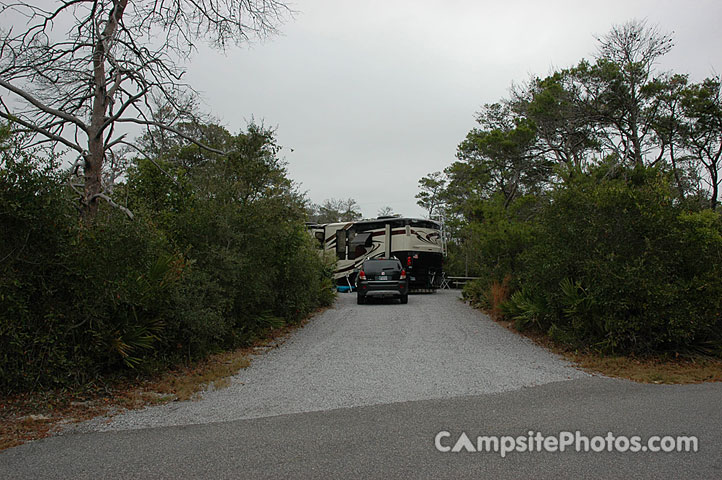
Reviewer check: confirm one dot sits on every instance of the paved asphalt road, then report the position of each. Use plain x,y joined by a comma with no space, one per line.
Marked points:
362,391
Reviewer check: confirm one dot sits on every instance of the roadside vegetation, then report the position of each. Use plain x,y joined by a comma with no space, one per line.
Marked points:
216,255
587,205
122,256
27,416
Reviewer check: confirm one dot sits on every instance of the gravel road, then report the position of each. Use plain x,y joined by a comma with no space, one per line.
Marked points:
435,347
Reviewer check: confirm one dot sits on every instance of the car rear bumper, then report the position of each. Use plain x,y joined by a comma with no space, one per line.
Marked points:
383,289
382,293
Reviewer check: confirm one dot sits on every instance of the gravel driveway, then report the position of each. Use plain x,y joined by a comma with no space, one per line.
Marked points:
434,347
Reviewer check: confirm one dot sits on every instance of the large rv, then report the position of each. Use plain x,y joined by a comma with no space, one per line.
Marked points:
417,243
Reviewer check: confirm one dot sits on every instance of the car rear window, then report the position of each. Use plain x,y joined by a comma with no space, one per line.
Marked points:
377,266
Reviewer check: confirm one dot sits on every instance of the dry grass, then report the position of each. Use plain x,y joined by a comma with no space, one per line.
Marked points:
498,294
31,416
35,415
661,370
183,384
654,369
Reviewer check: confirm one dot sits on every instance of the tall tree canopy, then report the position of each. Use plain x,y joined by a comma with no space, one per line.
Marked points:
702,134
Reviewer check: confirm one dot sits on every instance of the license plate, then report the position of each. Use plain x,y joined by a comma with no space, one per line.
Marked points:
383,277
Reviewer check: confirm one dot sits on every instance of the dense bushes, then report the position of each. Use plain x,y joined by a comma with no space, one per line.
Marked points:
497,240
580,202
215,255
617,265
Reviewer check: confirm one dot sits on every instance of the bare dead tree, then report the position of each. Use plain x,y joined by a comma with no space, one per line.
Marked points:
633,49
79,72
386,211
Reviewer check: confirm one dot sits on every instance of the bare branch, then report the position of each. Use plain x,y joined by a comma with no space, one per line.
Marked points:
113,204
173,130
49,110
115,56
152,160
42,131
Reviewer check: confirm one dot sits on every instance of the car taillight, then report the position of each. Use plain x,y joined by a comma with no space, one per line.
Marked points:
403,274
362,275
408,261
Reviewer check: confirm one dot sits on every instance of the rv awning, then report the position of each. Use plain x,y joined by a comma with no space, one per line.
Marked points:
360,239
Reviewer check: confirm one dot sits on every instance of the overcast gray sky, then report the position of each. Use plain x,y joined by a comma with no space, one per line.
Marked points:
373,95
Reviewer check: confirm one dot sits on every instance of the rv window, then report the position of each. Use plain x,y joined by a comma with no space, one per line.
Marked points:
360,239
341,244
425,224
357,245
319,237
365,227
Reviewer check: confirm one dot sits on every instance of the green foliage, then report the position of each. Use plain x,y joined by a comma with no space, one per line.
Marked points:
702,132
623,269
527,309
432,187
36,232
611,261
476,293
493,244
217,255
565,132
496,160
587,190
241,226
335,210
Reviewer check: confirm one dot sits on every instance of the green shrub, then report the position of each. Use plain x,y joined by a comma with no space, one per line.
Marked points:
476,292
213,259
527,309
493,246
623,269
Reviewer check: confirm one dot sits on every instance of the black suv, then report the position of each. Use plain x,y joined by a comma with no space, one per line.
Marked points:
382,277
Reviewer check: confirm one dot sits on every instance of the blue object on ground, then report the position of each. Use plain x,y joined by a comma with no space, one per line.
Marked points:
343,288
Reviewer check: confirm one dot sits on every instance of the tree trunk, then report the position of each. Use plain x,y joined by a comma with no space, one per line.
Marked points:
95,156
675,170
93,181
636,141
715,190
